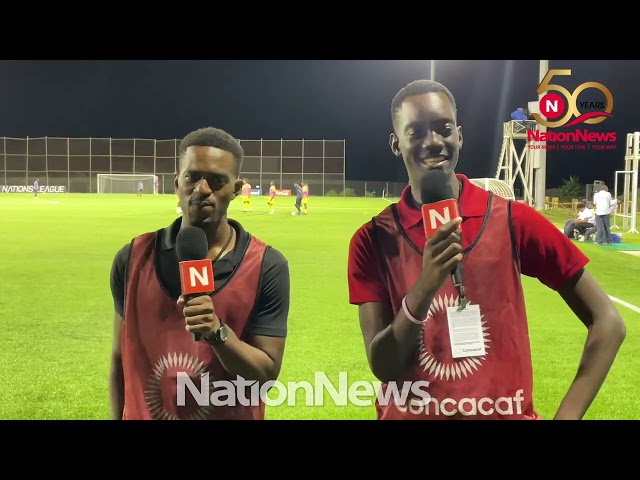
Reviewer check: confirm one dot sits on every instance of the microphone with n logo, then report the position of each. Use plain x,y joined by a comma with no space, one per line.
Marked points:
196,270
438,208
438,203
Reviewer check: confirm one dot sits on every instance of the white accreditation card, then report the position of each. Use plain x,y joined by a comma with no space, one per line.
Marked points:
465,332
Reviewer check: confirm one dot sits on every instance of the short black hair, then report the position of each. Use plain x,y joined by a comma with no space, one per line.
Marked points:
581,205
419,87
213,137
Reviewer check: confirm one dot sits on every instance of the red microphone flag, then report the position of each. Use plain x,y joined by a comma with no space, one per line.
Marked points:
436,214
196,276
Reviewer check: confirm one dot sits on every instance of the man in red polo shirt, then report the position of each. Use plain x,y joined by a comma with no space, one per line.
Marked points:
410,312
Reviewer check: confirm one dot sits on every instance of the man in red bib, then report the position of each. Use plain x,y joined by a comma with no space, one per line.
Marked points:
243,323
407,302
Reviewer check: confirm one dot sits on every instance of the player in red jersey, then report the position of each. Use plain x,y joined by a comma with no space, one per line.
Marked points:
243,323
402,286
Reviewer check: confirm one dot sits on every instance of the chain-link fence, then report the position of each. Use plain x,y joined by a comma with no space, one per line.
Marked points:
73,164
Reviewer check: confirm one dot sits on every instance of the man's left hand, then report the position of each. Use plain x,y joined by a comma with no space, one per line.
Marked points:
199,315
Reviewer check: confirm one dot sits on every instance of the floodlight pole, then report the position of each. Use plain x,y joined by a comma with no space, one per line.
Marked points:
541,165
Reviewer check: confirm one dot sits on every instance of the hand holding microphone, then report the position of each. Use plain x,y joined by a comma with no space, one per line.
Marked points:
196,280
200,316
443,250
442,254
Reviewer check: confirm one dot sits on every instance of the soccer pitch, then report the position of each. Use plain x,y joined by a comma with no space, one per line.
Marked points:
56,310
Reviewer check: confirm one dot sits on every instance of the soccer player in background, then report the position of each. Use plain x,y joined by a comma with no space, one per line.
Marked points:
246,195
271,201
36,187
140,188
298,199
305,196
178,209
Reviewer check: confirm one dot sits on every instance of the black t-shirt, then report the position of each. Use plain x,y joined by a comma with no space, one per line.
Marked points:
270,315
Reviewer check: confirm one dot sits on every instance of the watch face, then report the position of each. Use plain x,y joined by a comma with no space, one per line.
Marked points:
223,333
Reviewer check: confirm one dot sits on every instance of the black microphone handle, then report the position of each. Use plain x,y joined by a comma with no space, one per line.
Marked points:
456,275
196,336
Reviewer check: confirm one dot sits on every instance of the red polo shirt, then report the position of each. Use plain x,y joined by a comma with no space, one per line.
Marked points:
545,252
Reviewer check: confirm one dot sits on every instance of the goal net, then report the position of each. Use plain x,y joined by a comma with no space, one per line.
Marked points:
495,185
126,183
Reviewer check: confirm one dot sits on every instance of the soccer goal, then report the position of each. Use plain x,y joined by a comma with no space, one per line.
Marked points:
495,185
126,183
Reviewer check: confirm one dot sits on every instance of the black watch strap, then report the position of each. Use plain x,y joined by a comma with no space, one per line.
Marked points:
220,336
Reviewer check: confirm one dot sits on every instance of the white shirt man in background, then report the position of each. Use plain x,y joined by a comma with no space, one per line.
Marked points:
604,205
585,221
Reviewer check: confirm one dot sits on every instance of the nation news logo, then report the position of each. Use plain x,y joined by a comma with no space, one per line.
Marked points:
560,108
196,276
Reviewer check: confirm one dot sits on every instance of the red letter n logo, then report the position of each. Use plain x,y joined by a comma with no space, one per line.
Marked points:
196,276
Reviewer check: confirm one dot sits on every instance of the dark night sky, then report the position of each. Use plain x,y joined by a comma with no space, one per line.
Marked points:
310,99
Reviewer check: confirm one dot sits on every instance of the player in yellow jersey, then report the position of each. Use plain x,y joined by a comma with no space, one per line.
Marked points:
271,200
305,196
246,195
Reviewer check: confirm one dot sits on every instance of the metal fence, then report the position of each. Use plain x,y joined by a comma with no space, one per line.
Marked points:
74,163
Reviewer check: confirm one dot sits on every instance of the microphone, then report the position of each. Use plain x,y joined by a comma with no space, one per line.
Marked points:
439,207
196,270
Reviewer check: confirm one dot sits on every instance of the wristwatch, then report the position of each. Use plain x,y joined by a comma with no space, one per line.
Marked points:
220,336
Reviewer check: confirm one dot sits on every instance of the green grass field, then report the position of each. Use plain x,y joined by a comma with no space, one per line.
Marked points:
57,313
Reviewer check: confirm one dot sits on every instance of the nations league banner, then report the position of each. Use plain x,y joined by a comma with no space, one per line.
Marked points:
29,189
